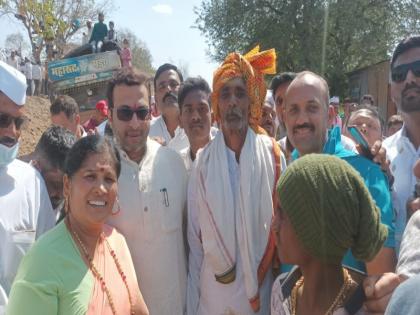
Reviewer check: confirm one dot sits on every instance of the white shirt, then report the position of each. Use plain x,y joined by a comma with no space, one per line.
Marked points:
13,62
158,129
25,214
28,70
152,198
402,155
36,72
85,39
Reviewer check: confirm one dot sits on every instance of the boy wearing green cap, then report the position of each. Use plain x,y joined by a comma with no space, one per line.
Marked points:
324,210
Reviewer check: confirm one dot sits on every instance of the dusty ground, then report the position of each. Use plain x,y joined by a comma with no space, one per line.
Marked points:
38,113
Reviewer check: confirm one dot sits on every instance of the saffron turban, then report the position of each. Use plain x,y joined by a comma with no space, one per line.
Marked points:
251,67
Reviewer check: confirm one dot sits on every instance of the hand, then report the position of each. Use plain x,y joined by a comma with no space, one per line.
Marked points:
379,156
413,204
159,140
378,291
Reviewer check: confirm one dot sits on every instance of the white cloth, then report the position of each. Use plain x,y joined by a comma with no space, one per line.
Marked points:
28,70
348,144
409,258
13,62
86,38
36,72
186,153
402,155
25,214
237,196
152,198
101,127
12,83
158,129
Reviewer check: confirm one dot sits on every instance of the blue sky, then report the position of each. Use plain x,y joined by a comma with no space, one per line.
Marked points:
165,26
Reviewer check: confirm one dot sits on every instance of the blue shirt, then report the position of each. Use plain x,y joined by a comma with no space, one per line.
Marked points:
376,182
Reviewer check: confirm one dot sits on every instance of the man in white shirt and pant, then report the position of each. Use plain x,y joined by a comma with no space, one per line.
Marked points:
152,197
25,208
403,148
166,127
230,197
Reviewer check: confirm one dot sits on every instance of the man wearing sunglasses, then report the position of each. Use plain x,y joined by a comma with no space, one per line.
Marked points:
25,208
152,197
403,150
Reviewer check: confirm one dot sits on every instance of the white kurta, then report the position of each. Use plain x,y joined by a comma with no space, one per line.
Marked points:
402,155
152,198
178,142
25,214
205,295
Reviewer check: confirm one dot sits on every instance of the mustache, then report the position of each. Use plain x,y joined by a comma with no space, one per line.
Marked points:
304,126
409,87
8,141
234,112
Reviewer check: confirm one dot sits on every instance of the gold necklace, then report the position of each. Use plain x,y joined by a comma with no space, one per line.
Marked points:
97,274
348,284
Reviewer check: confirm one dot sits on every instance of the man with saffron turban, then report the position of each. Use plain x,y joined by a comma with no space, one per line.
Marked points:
230,196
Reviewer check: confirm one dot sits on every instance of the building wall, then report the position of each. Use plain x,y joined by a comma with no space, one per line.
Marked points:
373,80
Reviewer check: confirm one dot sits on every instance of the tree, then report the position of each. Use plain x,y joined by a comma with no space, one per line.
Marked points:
16,42
142,58
52,23
330,37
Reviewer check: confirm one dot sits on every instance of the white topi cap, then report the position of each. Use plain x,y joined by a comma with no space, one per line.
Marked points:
269,100
12,84
335,100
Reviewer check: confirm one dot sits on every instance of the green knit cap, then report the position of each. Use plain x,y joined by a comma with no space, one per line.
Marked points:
330,209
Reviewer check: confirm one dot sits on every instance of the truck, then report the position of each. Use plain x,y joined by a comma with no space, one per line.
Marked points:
85,78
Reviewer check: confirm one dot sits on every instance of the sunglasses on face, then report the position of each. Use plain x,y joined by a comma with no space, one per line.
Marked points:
6,120
399,73
126,113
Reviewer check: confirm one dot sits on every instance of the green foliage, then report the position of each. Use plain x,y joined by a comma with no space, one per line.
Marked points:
142,58
329,37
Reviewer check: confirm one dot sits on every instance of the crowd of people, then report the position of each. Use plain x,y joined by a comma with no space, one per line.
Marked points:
235,200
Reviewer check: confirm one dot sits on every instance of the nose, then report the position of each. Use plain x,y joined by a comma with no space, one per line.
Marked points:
195,116
135,121
302,118
410,77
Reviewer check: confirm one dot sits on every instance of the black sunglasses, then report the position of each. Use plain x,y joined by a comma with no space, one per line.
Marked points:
399,73
6,120
126,113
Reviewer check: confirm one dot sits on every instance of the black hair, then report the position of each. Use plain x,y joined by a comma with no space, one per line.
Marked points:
394,120
166,67
111,23
65,104
125,76
280,79
404,45
192,84
54,145
91,145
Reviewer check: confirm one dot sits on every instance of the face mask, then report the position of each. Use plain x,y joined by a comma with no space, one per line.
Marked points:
7,155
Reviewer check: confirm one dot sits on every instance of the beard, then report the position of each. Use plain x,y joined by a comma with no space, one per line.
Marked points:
410,99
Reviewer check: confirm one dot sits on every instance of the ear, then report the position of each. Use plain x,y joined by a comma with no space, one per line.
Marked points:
66,185
77,118
110,110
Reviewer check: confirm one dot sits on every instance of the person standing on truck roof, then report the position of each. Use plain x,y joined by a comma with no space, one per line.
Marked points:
88,34
100,31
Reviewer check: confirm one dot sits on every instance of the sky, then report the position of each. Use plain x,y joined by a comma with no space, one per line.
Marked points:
165,26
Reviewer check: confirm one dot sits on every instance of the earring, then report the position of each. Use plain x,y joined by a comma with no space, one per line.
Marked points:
116,205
